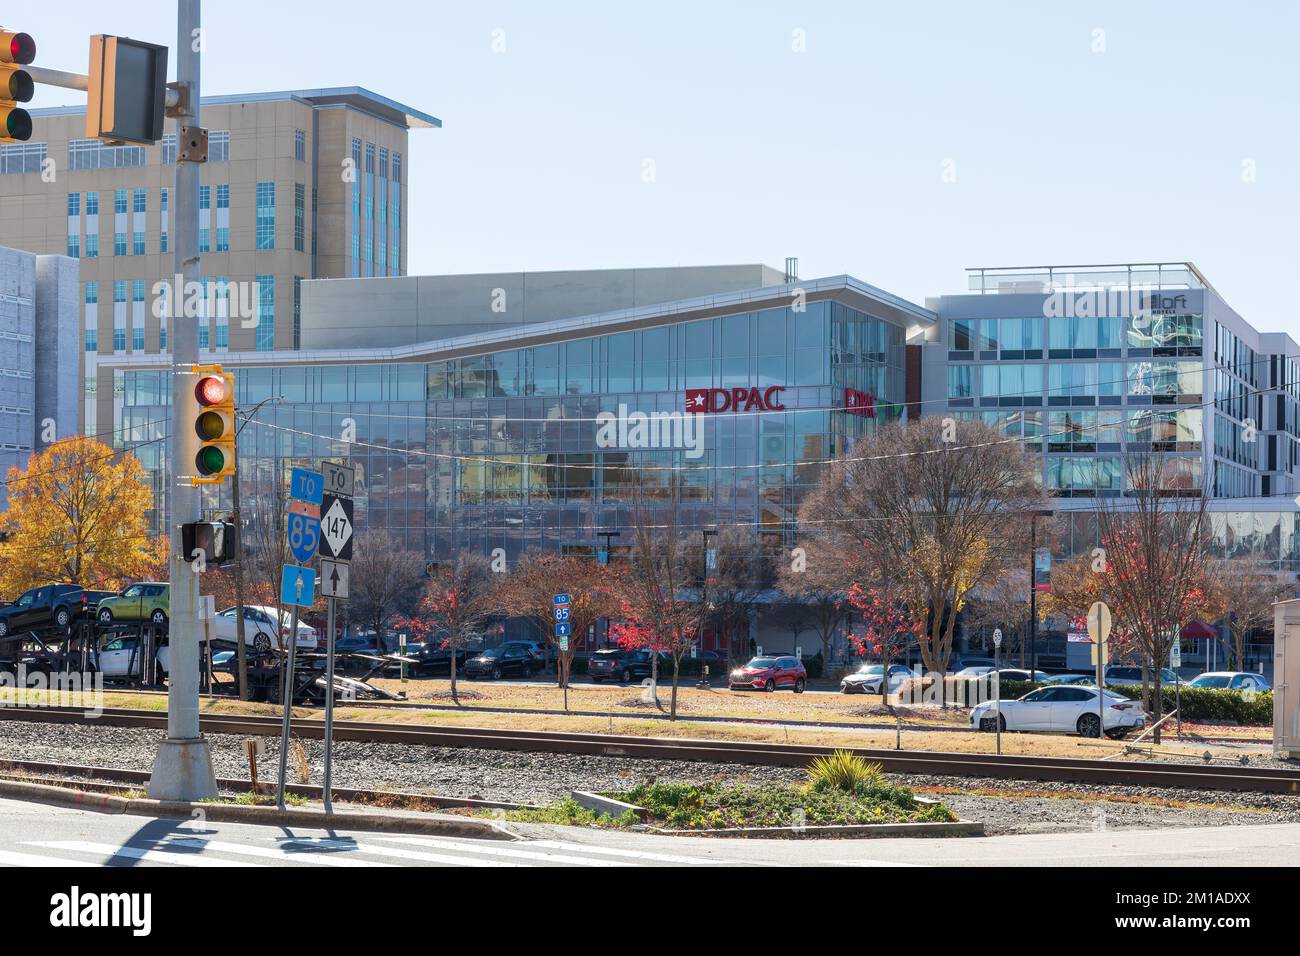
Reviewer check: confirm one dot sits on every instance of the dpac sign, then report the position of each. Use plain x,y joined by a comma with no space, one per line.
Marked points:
716,400
859,403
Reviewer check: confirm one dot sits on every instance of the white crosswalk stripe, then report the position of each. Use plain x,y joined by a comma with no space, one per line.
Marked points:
10,858
323,857
176,856
631,854
417,856
503,850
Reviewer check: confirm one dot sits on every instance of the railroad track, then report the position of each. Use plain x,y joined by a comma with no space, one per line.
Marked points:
1011,767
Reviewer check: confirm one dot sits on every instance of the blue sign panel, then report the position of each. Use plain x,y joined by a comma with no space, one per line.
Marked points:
306,485
297,585
563,629
561,599
304,536
562,612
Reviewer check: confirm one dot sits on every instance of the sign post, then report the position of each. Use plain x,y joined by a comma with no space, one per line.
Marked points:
997,684
297,588
335,572
1176,662
1099,631
563,607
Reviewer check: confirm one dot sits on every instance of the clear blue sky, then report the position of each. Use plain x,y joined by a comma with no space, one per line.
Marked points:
834,155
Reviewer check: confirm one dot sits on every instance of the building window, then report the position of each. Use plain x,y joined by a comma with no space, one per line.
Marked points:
266,215
297,312
223,313
299,217
119,315
22,157
219,146
119,222
92,225
300,145
356,207
369,227
223,217
265,337
205,219
139,207
92,154
169,149
137,315
92,323
74,225
163,231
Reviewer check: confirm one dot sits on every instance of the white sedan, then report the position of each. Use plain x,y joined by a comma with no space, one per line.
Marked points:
866,679
1066,710
260,629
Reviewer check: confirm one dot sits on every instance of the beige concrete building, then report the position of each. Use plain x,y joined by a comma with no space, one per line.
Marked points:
299,184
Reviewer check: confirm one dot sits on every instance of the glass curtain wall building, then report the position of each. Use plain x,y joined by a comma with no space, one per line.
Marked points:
495,441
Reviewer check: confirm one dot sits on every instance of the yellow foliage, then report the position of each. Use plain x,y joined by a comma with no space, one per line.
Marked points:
77,514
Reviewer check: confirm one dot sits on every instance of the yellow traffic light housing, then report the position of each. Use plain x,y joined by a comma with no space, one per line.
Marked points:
16,86
215,425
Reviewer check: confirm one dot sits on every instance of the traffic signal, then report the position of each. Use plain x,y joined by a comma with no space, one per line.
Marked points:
126,90
16,86
215,425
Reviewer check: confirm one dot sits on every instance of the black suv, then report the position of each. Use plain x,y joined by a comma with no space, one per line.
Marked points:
497,662
50,605
616,664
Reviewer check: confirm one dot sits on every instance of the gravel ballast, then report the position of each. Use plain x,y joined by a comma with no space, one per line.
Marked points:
1010,807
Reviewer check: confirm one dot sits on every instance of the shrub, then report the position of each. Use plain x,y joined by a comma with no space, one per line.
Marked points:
843,771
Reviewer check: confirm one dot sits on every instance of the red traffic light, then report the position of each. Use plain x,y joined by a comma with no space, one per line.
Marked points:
211,390
17,47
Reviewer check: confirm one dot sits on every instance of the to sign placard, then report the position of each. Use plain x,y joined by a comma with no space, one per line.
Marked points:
336,528
306,485
339,479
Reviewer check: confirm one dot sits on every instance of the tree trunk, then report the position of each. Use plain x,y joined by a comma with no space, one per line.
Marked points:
677,666
454,698
884,676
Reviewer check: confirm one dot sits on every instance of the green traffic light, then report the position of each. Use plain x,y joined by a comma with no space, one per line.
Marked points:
210,460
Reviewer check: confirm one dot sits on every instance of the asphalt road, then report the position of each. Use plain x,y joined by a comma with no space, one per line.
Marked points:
38,835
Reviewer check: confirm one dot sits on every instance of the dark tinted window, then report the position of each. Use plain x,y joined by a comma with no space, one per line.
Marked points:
1072,694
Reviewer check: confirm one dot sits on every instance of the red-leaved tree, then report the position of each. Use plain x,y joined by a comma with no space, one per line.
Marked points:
456,603
887,629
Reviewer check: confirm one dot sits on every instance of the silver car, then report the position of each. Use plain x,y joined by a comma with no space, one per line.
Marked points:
867,678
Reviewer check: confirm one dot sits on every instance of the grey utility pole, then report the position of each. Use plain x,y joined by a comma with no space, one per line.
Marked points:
183,767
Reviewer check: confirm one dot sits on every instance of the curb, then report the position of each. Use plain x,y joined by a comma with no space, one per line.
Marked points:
439,824
962,828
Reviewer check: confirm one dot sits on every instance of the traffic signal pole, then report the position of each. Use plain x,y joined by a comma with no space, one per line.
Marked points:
182,769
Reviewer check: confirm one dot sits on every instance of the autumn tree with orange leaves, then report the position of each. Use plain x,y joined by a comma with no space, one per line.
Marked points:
529,591
457,602
78,513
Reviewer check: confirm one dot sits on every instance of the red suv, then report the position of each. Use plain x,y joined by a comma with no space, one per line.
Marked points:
770,673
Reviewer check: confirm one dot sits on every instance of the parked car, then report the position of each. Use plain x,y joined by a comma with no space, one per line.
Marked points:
146,601
498,662
1230,680
119,658
614,663
356,644
770,673
260,629
1126,675
427,657
1089,679
1067,710
50,605
962,663
974,671
867,678
1017,673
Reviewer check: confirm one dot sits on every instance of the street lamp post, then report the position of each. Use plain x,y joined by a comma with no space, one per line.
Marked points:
241,650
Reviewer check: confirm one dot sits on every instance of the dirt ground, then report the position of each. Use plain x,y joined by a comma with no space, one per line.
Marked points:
624,714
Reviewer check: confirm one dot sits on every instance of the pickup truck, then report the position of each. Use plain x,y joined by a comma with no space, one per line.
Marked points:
50,605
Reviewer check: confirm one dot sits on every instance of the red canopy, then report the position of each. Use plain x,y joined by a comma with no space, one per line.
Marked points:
1198,631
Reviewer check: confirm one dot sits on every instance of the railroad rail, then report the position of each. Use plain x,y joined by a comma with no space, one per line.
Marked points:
1005,766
